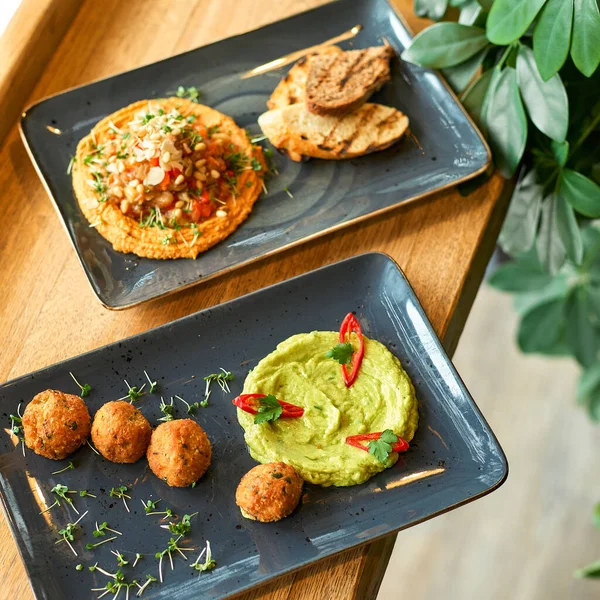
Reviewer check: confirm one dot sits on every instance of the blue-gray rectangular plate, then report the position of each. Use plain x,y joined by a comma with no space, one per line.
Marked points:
454,457
443,148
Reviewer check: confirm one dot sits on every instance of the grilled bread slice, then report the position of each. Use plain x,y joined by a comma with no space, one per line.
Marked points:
339,83
301,133
290,89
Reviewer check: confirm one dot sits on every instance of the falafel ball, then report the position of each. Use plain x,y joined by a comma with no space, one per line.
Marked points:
120,432
269,492
56,424
179,452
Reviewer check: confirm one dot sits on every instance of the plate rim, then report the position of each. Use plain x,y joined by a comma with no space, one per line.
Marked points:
105,302
8,512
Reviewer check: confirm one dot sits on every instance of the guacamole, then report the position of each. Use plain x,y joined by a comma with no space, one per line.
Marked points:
298,372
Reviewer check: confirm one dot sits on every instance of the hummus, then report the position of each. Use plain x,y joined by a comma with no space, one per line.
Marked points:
382,397
167,178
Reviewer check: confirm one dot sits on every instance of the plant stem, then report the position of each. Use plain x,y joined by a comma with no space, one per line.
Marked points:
504,56
586,133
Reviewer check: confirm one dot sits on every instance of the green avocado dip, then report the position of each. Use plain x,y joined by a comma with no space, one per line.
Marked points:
382,397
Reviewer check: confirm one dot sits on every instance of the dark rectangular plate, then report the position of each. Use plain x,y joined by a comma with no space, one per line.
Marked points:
453,459
326,194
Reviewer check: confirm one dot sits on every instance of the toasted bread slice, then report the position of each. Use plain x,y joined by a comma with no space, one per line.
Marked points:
301,133
290,89
338,84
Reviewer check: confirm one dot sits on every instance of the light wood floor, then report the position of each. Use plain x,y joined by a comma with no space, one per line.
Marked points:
523,541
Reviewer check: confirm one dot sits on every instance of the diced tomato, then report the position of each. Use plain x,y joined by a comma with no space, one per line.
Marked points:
230,173
154,161
206,210
175,172
195,211
205,197
166,180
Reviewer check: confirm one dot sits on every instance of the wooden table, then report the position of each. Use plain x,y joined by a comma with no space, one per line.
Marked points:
49,313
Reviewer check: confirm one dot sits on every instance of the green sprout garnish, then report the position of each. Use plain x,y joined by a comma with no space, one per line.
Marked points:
190,407
191,93
71,165
166,409
121,560
85,388
92,546
69,467
121,492
133,393
102,528
287,191
79,567
149,579
16,427
138,556
61,491
153,384
183,527
68,533
208,564
171,547
84,493
221,379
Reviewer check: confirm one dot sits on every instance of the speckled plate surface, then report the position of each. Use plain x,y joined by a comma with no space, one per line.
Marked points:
444,148
453,459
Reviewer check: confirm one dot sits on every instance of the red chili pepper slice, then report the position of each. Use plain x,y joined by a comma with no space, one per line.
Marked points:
154,161
247,403
355,440
350,324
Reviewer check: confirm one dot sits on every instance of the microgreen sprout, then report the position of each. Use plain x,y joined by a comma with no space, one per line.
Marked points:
169,550
84,493
208,564
61,491
79,567
133,393
16,427
257,139
69,467
190,407
149,506
221,379
116,585
181,528
100,530
120,492
121,560
68,533
191,93
149,579
71,164
85,388
287,191
153,384
137,557
166,409
92,546
92,447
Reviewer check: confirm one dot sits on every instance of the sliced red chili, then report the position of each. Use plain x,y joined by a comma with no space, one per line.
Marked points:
249,404
355,440
350,324
154,161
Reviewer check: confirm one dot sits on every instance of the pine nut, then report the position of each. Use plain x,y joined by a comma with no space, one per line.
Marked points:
215,174
124,206
179,179
200,146
179,204
166,157
134,183
139,188
221,213
178,213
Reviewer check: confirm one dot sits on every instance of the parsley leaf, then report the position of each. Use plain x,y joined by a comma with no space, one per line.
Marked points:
382,447
269,410
342,353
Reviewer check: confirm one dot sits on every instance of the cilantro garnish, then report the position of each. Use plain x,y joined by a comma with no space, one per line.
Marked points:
382,447
147,118
341,352
269,410
85,388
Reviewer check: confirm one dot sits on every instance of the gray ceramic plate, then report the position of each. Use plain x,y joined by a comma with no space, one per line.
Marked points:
453,459
443,150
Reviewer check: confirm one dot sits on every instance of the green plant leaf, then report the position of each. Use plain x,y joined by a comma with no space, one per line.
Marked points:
592,571
509,19
474,96
520,224
486,4
580,334
434,9
512,277
581,193
550,248
552,37
505,122
560,151
568,229
540,328
585,47
596,515
459,76
470,14
546,101
445,45
588,391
